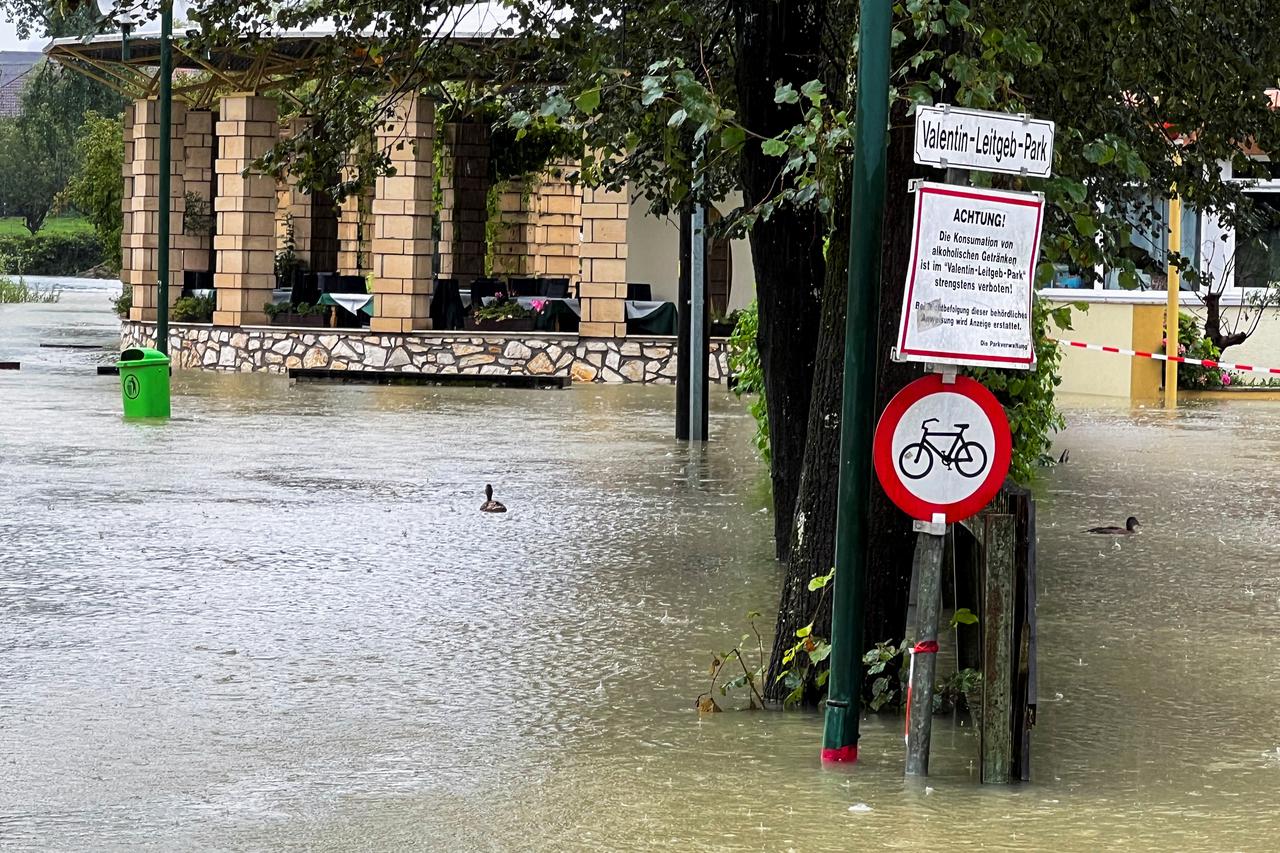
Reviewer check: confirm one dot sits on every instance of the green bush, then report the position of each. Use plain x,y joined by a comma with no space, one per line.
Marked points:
50,254
193,309
748,375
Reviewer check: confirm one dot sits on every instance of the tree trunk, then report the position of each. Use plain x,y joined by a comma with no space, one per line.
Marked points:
889,548
1213,324
775,42
814,523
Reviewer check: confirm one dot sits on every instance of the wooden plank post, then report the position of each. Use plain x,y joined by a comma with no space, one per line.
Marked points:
999,536
927,568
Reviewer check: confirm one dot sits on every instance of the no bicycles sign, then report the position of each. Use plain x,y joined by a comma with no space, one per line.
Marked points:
942,450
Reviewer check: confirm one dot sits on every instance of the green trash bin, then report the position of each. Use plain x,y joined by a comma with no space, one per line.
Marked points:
144,382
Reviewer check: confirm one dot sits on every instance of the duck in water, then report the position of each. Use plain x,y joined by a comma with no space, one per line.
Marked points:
490,505
1130,527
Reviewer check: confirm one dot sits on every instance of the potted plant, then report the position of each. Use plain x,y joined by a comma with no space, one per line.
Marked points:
504,315
193,309
722,327
289,267
288,314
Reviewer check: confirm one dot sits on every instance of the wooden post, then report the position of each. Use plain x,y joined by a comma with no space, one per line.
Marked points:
999,535
927,568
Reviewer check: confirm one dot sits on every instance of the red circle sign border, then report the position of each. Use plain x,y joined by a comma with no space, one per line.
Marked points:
882,448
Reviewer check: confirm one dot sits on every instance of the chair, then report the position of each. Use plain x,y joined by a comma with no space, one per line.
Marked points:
523,287
555,288
446,304
192,281
306,289
482,288
639,292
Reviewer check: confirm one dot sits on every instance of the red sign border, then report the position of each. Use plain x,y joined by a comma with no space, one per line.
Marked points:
882,448
994,196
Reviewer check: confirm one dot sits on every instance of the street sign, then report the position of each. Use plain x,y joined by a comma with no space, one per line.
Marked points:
969,287
951,137
942,450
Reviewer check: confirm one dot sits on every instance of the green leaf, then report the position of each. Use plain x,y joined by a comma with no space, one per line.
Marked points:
805,631
963,616
677,118
784,94
773,147
813,91
820,653
588,101
732,137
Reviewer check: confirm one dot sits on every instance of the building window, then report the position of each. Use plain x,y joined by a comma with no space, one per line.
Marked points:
1149,245
1258,251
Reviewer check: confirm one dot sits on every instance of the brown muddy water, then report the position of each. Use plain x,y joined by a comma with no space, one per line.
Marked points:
279,623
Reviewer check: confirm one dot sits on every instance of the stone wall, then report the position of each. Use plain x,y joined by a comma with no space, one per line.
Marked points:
273,349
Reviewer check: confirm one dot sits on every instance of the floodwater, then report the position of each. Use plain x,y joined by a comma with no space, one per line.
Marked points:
279,623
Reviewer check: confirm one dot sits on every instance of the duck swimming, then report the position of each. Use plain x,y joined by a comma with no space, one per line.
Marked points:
1130,526
490,505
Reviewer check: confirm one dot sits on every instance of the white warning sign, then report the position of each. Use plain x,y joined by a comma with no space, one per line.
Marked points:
969,287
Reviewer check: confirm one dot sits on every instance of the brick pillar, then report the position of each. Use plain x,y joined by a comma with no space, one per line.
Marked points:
402,219
464,185
355,229
604,263
195,238
141,246
557,235
246,211
292,202
514,253
126,211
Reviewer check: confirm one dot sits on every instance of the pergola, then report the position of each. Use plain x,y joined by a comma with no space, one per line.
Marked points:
226,117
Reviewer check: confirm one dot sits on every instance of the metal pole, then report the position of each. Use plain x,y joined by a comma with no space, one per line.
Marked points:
166,203
840,735
684,348
924,656
1171,311
698,328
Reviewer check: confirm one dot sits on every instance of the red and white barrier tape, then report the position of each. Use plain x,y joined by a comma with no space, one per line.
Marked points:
1159,356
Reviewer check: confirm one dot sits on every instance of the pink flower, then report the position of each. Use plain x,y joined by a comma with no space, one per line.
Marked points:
1164,343
538,304
499,295
1226,379
1182,349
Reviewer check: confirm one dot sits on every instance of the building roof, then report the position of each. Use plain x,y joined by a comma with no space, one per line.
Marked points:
14,66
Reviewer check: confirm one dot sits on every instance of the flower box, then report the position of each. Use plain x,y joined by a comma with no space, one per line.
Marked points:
523,324
312,321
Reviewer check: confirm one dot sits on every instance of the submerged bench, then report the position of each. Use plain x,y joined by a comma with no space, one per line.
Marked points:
392,377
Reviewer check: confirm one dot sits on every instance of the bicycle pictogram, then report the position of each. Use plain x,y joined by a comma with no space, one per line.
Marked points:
967,458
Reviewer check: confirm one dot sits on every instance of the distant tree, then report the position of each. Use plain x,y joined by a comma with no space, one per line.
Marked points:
38,148
95,188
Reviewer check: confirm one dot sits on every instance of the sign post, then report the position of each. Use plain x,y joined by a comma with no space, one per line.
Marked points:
942,447
844,685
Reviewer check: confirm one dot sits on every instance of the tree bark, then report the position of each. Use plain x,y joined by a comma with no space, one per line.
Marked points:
814,523
1213,324
890,545
775,42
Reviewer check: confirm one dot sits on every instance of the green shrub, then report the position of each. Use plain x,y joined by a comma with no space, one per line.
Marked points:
193,309
19,291
50,253
122,303
748,375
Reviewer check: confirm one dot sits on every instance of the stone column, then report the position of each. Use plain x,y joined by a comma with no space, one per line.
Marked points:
246,211
464,185
559,225
126,212
294,206
402,219
514,253
195,238
142,243
604,263
355,233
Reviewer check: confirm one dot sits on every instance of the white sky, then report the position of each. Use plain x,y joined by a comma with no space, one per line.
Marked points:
9,39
